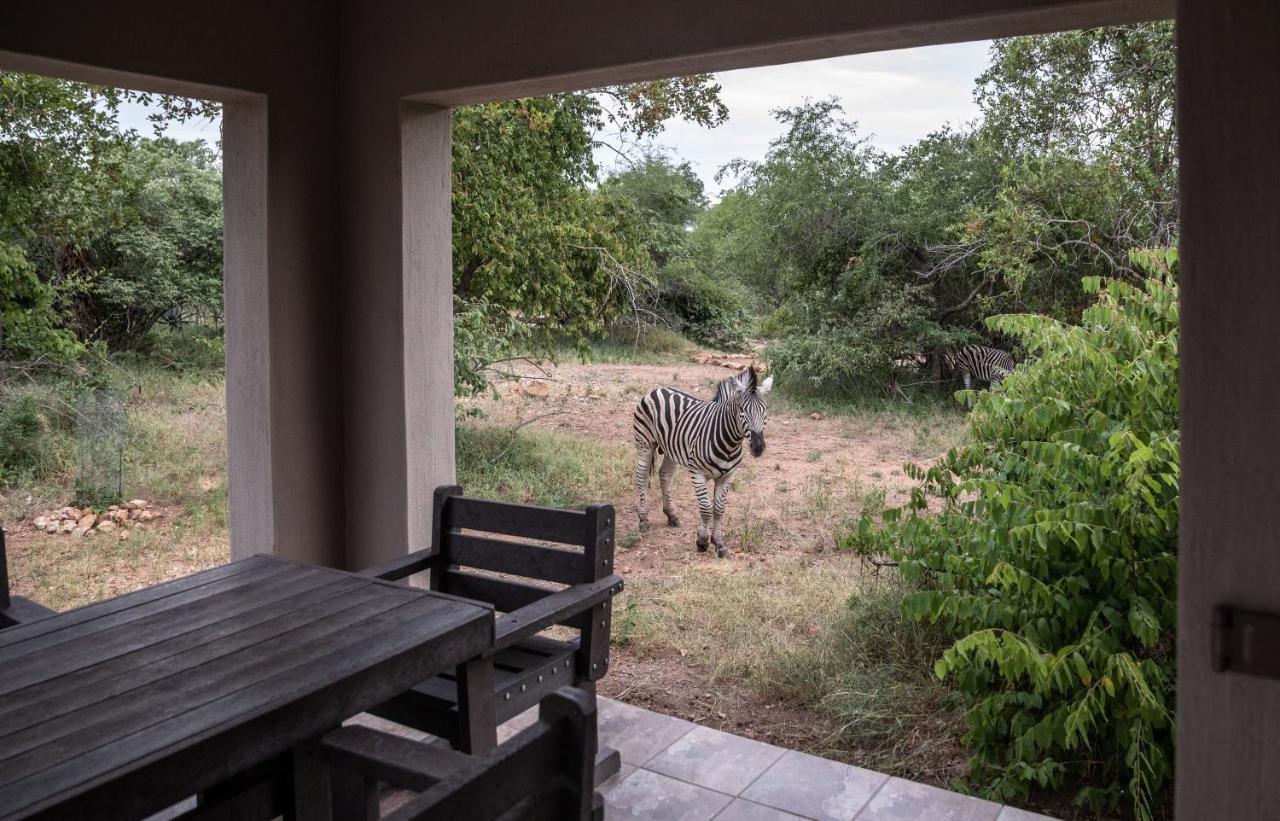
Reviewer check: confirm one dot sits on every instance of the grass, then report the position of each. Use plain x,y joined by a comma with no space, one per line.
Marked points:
175,457
813,633
540,466
924,407
652,345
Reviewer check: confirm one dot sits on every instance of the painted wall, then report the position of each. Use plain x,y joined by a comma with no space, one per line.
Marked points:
1228,119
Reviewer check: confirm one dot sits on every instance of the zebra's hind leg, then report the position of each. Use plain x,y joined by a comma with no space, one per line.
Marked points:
664,479
644,465
704,510
717,513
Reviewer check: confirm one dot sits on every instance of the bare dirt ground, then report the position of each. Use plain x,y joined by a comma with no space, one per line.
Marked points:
784,511
813,471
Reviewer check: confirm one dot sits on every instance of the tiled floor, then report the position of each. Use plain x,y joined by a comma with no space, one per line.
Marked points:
673,770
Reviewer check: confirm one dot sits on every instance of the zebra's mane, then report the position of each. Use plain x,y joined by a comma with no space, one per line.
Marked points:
730,386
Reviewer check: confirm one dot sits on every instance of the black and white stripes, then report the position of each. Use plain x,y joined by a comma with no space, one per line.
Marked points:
703,436
978,361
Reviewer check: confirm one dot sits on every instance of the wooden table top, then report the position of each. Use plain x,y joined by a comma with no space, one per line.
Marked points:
124,707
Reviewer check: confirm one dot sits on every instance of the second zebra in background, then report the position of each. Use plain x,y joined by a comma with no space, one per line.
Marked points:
703,436
980,362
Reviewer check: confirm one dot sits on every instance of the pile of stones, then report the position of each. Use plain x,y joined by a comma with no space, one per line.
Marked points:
74,521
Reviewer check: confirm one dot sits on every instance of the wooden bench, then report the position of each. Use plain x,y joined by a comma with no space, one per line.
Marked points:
15,609
474,555
544,772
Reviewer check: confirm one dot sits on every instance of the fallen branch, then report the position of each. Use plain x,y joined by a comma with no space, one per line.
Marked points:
878,563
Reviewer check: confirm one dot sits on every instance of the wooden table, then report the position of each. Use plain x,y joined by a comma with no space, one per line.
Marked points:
124,707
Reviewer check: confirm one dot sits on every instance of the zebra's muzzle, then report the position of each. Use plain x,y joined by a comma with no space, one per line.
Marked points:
757,444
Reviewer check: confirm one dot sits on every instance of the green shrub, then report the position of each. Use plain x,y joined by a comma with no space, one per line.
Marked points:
1054,557
540,467
34,435
702,307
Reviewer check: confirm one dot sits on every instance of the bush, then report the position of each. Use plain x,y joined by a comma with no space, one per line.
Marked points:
702,308
1055,555
34,435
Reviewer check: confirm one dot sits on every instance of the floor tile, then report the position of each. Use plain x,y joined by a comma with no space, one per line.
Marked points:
612,781
815,787
744,810
653,797
719,761
637,734
1015,814
526,719
901,799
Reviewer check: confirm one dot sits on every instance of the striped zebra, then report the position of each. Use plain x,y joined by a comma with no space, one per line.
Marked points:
988,364
703,436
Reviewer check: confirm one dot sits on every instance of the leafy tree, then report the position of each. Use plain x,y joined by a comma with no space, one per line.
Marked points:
1099,94
1054,558
668,195
101,231
691,294
541,257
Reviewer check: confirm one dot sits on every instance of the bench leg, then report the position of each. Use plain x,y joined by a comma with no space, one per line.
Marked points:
608,762
478,726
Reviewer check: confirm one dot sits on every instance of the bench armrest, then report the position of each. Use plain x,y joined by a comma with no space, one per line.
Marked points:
553,609
400,567
390,759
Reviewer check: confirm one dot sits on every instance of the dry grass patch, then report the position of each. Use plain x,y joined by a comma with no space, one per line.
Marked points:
814,631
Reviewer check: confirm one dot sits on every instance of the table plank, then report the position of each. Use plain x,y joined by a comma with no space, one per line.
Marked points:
198,748
118,675
84,624
70,734
116,642
71,618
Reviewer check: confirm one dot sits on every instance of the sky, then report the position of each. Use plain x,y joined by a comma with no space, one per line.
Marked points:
896,97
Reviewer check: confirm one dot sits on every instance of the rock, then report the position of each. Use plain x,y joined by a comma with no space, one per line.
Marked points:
106,526
87,521
40,522
815,416
79,531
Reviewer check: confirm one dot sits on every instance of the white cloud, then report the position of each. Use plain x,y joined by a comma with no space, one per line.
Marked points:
896,97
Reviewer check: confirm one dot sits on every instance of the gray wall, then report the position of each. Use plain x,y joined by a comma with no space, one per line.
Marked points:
1228,121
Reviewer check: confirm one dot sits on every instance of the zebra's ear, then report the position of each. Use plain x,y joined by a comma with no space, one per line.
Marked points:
765,386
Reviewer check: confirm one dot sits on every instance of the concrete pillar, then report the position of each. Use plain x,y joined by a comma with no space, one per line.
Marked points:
283,356
397,321
1228,119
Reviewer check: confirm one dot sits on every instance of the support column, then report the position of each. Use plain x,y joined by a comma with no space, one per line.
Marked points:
1228,119
397,324
285,469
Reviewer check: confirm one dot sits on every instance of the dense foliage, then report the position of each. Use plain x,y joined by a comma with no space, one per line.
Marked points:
701,303
1054,558
102,232
544,257
867,261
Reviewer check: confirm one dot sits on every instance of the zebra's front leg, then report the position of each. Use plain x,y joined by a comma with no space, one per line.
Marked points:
717,513
664,479
704,510
644,464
